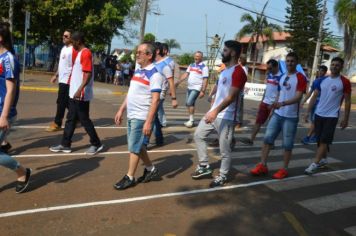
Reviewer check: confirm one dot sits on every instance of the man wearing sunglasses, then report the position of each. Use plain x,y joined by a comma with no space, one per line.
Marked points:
66,61
141,105
291,87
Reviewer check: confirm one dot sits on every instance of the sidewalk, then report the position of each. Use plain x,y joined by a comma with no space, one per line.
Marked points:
41,82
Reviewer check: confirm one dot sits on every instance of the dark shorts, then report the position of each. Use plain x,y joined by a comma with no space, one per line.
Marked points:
263,113
325,128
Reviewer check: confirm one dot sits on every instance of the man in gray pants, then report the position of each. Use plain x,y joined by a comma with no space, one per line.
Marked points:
222,115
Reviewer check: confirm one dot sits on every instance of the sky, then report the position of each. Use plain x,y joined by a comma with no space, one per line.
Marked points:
185,21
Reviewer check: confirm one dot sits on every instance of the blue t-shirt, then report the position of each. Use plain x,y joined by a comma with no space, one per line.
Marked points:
9,69
314,86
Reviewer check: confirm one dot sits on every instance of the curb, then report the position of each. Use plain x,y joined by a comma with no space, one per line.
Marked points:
55,90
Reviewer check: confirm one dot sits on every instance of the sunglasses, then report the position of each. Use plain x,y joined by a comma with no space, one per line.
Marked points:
285,81
65,36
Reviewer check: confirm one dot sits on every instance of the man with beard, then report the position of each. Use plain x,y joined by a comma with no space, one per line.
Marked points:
222,115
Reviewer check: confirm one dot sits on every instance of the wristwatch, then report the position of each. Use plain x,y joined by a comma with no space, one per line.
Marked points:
173,98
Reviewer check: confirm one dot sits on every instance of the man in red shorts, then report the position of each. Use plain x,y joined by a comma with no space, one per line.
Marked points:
268,99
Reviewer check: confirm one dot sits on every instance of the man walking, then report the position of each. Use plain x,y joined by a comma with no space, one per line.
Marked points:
222,116
292,85
332,91
197,74
66,60
168,84
80,93
9,95
269,97
141,103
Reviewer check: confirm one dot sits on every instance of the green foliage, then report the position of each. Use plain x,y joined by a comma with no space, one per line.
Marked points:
303,25
149,37
172,43
345,11
186,59
100,20
127,57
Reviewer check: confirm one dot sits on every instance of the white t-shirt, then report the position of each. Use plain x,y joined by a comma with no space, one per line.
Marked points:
66,61
83,63
288,87
332,92
166,71
170,62
271,93
143,83
197,73
233,76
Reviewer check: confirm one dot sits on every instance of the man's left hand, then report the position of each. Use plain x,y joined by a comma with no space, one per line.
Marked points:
210,116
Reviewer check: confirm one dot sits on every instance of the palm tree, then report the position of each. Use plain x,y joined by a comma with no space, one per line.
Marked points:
172,43
345,11
256,28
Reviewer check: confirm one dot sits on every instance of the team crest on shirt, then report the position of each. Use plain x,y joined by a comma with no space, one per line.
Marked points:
333,88
224,80
288,86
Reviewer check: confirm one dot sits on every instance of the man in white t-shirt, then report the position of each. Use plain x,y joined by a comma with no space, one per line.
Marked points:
332,91
80,95
168,85
141,104
222,116
269,97
66,60
197,74
285,117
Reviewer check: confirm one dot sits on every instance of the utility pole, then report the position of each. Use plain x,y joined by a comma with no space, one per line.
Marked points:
11,13
318,44
143,20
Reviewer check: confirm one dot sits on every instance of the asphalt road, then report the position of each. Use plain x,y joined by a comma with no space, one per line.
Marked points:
72,194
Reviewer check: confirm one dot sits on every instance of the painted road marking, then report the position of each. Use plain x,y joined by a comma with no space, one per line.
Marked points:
351,230
330,203
158,196
151,151
254,154
312,181
295,223
278,164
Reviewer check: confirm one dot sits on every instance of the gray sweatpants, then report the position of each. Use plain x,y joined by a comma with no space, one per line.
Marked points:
225,130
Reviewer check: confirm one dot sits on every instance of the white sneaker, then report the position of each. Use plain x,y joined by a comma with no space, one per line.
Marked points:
322,163
311,169
189,124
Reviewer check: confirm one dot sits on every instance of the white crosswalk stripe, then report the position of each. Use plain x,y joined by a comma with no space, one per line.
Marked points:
351,230
330,203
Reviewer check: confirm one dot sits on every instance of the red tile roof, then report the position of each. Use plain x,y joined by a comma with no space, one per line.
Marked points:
276,37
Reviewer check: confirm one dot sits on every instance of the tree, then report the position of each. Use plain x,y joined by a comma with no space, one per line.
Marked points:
172,43
256,28
303,25
100,20
149,38
345,11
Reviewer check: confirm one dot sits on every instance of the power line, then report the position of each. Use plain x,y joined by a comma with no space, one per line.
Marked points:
252,11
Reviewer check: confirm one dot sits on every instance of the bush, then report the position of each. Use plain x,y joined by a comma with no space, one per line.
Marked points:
185,59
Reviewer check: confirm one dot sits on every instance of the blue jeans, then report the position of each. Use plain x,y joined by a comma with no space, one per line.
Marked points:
6,160
288,126
135,138
192,96
157,125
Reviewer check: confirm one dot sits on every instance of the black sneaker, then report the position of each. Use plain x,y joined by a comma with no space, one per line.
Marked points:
246,141
201,172
125,183
6,148
21,186
218,181
148,176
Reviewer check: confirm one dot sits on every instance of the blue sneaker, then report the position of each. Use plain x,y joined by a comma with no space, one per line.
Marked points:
313,139
305,140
